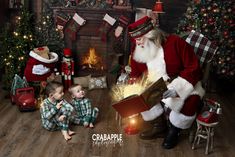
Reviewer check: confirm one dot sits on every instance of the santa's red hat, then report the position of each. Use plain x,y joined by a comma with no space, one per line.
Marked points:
67,52
140,27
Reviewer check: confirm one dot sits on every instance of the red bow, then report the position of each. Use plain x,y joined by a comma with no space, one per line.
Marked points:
40,48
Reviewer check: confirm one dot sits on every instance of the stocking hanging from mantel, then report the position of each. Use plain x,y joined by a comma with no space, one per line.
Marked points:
61,20
123,22
74,25
105,27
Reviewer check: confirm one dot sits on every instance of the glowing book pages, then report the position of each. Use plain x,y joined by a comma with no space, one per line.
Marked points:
139,103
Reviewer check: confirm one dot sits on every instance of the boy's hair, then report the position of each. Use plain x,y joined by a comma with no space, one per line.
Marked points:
71,88
51,87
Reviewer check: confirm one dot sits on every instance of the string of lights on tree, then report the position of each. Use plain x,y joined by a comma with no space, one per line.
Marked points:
47,33
214,19
15,46
16,43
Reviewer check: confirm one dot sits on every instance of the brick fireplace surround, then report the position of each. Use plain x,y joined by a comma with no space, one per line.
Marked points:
87,37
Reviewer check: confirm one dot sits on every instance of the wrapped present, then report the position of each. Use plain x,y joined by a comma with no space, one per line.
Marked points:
42,51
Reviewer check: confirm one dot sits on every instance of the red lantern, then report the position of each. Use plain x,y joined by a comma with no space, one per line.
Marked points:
158,7
131,128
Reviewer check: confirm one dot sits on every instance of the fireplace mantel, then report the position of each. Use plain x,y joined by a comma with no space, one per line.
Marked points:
88,32
93,16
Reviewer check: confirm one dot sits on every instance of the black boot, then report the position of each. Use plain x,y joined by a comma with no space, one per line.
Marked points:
171,138
158,129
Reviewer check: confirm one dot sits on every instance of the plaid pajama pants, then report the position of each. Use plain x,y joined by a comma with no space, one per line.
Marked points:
50,115
84,111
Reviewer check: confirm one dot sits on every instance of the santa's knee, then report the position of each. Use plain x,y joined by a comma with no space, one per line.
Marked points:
180,120
153,113
192,105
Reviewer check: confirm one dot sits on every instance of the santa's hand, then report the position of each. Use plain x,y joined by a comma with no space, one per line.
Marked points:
169,93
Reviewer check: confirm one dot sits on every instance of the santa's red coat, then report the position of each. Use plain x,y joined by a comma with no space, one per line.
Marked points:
180,60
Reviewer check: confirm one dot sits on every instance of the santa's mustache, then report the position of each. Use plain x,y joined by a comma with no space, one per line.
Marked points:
145,52
142,46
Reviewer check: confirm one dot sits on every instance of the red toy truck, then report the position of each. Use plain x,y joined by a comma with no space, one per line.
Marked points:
24,99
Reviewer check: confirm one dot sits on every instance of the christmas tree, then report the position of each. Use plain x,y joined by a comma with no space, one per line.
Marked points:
17,40
48,35
215,20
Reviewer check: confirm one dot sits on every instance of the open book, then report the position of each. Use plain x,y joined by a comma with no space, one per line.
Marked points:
138,103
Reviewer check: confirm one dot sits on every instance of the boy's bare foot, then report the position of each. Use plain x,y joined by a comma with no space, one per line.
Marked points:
66,135
91,125
85,124
71,133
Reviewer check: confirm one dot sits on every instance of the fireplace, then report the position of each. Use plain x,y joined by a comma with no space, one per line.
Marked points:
93,60
88,40
93,55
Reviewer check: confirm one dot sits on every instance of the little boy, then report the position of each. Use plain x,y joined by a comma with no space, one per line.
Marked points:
82,106
56,113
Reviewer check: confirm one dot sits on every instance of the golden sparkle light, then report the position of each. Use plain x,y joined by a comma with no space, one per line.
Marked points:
119,92
132,121
122,91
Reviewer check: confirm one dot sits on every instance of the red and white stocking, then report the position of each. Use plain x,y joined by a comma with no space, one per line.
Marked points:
74,26
123,23
105,27
62,19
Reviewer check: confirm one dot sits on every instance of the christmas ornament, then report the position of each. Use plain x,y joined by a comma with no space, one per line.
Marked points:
203,9
232,73
197,1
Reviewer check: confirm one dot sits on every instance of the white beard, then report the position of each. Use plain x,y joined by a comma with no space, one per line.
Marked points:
145,53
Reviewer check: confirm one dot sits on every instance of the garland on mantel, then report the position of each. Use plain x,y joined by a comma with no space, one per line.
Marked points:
98,4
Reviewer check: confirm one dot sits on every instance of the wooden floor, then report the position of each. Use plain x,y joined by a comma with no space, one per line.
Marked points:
21,134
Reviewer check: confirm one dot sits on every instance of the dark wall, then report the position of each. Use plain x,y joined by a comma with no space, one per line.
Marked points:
3,11
174,10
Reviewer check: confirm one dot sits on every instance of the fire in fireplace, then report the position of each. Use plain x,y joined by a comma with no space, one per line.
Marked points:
92,60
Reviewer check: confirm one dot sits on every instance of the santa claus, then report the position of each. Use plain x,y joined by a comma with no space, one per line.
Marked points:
169,57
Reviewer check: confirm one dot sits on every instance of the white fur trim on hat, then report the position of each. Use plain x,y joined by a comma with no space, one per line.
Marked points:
153,113
109,19
79,19
181,86
181,121
53,56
